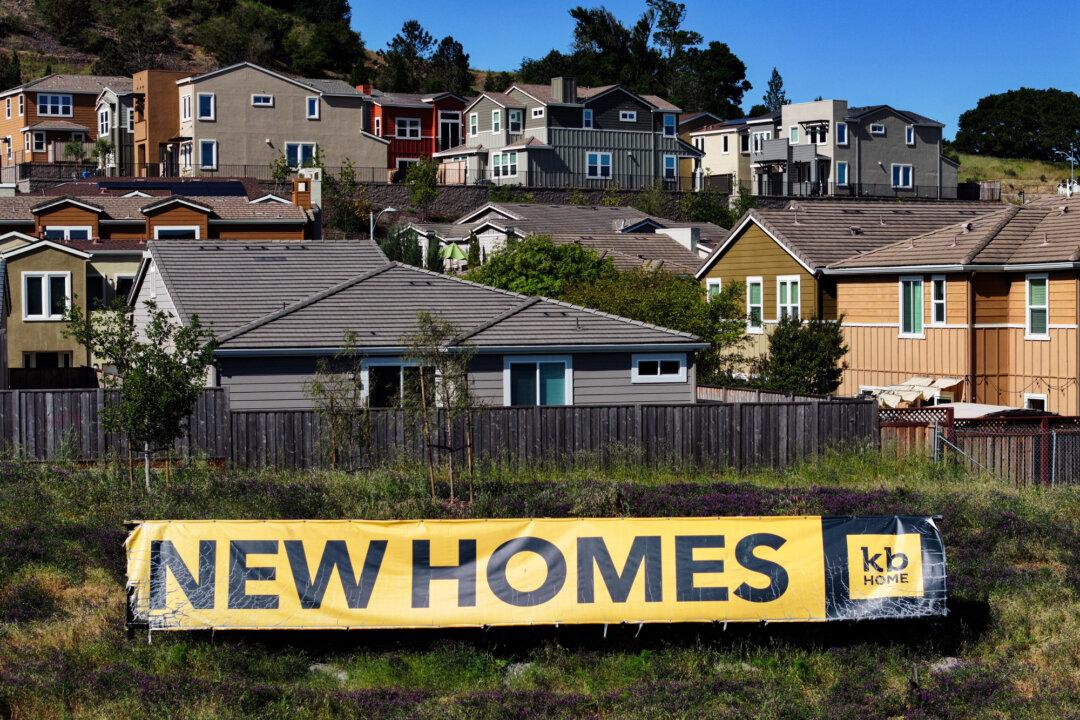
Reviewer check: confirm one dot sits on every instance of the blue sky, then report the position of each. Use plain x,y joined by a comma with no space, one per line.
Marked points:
936,58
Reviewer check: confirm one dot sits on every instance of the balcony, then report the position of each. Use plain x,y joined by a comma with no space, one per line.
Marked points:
771,151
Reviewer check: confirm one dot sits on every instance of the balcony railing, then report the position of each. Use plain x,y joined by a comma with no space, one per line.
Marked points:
780,188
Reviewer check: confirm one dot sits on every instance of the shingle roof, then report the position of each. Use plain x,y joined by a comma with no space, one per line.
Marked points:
117,207
635,250
230,283
92,84
543,94
59,125
330,86
409,100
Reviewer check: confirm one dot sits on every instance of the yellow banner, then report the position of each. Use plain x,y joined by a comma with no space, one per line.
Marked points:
451,573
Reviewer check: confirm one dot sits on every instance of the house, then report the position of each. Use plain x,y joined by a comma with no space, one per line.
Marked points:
417,125
156,126
87,249
273,328
631,236
116,123
560,135
39,118
780,254
241,119
689,122
826,148
725,147
989,303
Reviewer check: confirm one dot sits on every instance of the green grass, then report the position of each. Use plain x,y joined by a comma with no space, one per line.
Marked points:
1031,175
1013,578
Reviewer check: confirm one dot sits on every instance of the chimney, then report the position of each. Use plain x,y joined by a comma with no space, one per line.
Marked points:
688,237
301,192
312,178
365,88
564,89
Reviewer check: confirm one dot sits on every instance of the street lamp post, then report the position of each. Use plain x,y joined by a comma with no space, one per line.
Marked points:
374,217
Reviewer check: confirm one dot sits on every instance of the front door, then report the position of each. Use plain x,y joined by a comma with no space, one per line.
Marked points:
449,129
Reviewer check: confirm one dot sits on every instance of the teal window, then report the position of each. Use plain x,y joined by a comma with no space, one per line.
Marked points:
1038,307
841,174
911,306
537,381
754,308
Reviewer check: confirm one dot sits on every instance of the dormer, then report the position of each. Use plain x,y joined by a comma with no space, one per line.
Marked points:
67,218
177,218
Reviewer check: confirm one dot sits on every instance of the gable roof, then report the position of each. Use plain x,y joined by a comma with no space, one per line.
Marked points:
500,99
67,200
20,209
75,84
323,86
45,245
856,113
636,250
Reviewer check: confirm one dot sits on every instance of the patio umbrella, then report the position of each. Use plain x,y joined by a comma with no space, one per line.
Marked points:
452,251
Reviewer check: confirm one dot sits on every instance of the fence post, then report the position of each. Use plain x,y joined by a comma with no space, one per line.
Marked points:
1044,450
16,421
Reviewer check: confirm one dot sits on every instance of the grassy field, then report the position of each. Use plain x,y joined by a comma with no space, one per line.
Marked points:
1033,176
1010,647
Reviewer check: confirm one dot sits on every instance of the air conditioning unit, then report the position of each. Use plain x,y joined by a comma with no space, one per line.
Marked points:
311,173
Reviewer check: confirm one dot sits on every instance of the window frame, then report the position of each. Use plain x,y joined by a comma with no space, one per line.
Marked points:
60,105
797,304
127,276
909,135
22,104
299,156
391,361
943,302
202,162
679,377
212,117
500,164
837,133
588,121
537,360
910,172
196,228
921,332
308,114
877,129
66,229
40,135
185,155
496,121
744,143
674,129
711,283
537,112
1028,307
268,96
129,119
751,329
512,113
185,107
724,144
104,121
377,122
599,165
7,108
674,166
793,135
847,172
629,116
408,123
1028,397
474,124
46,276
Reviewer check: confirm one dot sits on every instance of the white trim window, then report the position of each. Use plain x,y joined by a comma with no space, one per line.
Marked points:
909,135
787,297
208,154
27,140
407,127
54,105
185,156
598,165
185,107
841,133
658,368
759,139
67,232
911,306
938,299
504,164
311,107
723,144
587,119
206,106
755,307
628,116
1035,401
515,120
671,125
104,123
474,124
537,113
262,100
39,141
713,286
841,173
538,380
818,135
901,176
496,121
7,108
793,135
300,154
877,129
176,232
22,105
122,285
392,381
378,127
671,167
1038,307
46,295
129,119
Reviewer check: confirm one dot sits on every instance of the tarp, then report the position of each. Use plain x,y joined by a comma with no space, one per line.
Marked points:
281,574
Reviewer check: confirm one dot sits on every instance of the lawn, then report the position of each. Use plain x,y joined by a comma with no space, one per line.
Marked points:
1010,647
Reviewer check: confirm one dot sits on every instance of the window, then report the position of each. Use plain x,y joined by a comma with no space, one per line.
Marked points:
59,105
129,119
185,156
95,291
176,232
877,129
78,136
901,176
841,174
744,143
208,154
754,309
7,146
787,296
514,120
818,135
598,164
671,167
504,164
712,289
628,116
793,135
103,122
185,107
299,154
403,165
1033,401
22,104
311,104
723,144
841,133
537,112
207,106
46,360
658,368
586,119
542,380
407,127
909,134
378,126
123,285
911,307
496,121
68,232
45,295
937,300
262,101
760,138
1038,308
27,141
391,382
7,108
474,124
670,125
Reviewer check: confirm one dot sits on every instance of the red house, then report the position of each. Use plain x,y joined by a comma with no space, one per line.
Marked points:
416,125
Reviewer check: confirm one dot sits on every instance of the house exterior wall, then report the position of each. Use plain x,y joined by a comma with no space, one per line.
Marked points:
42,335
157,115
121,160
68,215
870,157
606,110
717,162
178,215
83,112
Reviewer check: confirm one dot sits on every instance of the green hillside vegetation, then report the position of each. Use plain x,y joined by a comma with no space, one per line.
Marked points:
1015,174
1008,648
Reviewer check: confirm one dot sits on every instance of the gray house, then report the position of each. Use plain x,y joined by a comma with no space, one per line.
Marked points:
562,135
116,123
278,308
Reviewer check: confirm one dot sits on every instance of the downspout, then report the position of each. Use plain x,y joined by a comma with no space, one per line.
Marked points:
971,336
1076,282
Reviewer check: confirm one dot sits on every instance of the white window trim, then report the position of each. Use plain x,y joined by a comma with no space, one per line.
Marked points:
123,276
129,119
750,280
68,228
43,146
1036,396
793,135
399,362
628,116
711,283
7,108
587,119
212,117
674,125
198,235
679,377
909,135
797,304
27,142
537,113
22,105
307,107
185,107
202,164
877,128
408,120
262,105
675,167
510,114
599,165
378,126
298,143
474,124
724,144
104,121
496,121
934,279
847,173
45,275
837,133
911,176
504,157
1028,335
70,105
900,326
568,377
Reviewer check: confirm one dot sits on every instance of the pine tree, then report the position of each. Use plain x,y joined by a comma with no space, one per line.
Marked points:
774,97
10,70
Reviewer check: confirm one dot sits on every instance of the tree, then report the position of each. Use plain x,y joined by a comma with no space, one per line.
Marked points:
142,39
706,205
758,110
670,35
422,180
744,202
498,81
448,69
710,79
10,70
1024,123
433,261
473,258
654,201
775,97
537,266
337,396
75,150
403,245
158,371
405,61
676,302
69,19
803,357
103,148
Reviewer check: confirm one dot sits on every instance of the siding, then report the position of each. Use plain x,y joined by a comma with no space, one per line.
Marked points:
606,112
178,215
41,335
69,215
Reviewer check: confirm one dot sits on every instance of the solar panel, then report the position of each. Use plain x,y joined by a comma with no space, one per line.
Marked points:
215,188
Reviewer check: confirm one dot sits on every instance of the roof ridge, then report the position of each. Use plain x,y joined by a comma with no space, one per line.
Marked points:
508,313
151,246
1009,214
610,316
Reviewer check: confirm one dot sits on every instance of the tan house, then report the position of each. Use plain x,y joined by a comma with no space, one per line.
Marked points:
726,145
991,302
156,121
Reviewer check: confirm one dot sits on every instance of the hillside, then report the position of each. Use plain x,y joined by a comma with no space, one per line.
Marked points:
1031,176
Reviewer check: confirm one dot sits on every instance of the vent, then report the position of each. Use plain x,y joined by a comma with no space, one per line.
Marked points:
851,212
855,230
420,283
966,227
556,313
271,258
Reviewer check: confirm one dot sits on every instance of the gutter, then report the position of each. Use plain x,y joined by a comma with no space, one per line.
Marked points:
487,350
972,359
1019,267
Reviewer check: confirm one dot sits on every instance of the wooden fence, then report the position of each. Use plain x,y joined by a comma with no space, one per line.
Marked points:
46,425
745,395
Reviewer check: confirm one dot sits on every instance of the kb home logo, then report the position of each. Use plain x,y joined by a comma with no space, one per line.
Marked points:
885,566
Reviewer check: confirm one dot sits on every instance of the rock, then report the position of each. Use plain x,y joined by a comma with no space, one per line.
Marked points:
515,670
328,669
946,665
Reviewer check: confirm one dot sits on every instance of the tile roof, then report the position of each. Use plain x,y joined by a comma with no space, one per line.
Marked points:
60,125
116,207
855,112
660,103
543,93
329,86
636,250
410,100
92,84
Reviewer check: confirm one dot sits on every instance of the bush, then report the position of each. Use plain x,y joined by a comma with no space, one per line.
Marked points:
537,266
804,357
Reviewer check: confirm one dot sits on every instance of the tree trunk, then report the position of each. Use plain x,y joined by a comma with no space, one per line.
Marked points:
469,450
427,434
146,465
453,449
130,469
168,462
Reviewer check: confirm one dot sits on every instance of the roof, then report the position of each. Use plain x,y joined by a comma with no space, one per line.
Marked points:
636,250
89,84
324,86
59,125
408,100
543,94
695,120
821,232
1033,234
118,207
380,306
500,99
230,283
854,113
